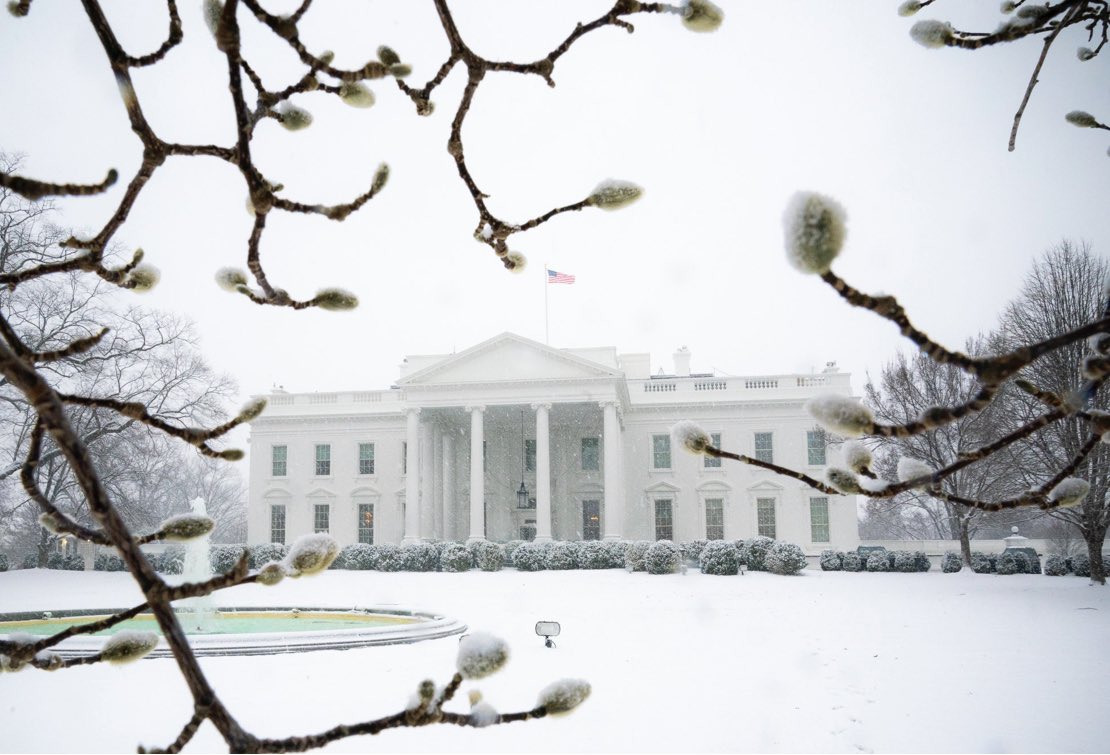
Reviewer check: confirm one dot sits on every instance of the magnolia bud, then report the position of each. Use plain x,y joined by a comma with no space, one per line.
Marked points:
310,554
702,16
691,437
292,117
356,94
186,527
230,278
481,654
271,573
814,231
143,278
1070,492
932,34
1081,118
563,696
612,195
124,647
841,414
335,299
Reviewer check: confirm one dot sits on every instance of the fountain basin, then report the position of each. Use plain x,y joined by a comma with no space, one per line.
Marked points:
249,631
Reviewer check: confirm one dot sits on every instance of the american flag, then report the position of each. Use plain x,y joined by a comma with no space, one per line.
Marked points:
555,277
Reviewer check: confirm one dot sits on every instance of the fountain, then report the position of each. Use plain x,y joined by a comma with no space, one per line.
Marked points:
197,614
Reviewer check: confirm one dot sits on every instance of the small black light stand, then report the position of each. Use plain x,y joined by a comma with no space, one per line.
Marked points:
547,630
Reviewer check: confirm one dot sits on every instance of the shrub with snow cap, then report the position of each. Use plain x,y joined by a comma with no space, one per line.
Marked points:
186,527
1081,565
904,562
755,551
662,557
562,555
124,647
878,562
615,551
223,557
1007,564
1055,566
102,562
982,564
691,551
563,696
951,563
1070,492
831,560
841,414
530,557
388,557
488,556
690,436
265,553
786,558
481,654
852,562
592,555
857,457
455,558
720,557
814,230
613,194
420,557
508,548
634,555
357,557
311,554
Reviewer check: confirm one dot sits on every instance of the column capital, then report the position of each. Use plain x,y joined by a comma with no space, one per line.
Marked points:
541,405
412,410
476,408
609,402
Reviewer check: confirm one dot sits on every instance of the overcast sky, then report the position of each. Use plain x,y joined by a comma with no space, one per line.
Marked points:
720,129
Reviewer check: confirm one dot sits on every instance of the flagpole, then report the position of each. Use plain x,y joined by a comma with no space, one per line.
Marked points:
546,331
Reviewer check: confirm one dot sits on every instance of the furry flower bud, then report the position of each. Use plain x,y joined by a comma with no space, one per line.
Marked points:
270,574
1082,119
612,194
814,231
1070,492
857,456
293,118
841,414
563,696
690,436
932,34
335,299
388,56
311,554
843,480
515,262
356,94
702,16
1085,53
481,654
186,527
143,278
125,647
909,7
231,278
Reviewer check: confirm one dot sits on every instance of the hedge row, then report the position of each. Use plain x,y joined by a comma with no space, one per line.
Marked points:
1080,566
877,561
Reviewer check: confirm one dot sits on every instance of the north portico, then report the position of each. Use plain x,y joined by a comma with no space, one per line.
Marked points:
513,439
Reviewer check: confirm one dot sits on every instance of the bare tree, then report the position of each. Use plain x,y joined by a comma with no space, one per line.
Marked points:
27,368
1066,288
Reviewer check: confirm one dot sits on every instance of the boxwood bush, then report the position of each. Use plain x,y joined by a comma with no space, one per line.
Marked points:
851,562
389,557
755,552
662,557
420,557
488,556
832,561
264,553
509,548
1055,566
108,562
634,555
921,561
615,550
355,557
222,557
456,557
1081,565
720,557
592,555
904,562
691,551
1008,564
983,563
171,560
3,562
530,557
562,555
951,563
785,558
877,562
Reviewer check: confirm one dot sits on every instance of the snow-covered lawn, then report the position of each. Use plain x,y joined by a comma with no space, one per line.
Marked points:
758,663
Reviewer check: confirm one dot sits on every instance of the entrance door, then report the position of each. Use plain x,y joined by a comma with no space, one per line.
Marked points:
591,520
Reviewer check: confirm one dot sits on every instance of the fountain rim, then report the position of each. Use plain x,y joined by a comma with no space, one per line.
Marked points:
429,626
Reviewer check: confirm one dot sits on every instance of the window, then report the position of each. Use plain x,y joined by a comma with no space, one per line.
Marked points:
366,458
530,455
404,457
279,457
815,445
819,519
712,462
366,523
764,447
531,504
277,524
591,456
528,530
322,521
714,519
664,519
591,520
323,459
765,516
661,451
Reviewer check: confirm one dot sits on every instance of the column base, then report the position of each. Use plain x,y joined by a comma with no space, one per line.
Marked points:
475,539
543,539
411,540
611,538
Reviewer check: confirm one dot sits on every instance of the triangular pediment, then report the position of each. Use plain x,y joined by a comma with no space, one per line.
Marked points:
766,486
507,358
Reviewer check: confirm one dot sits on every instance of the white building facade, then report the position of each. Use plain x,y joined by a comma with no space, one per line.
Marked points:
512,439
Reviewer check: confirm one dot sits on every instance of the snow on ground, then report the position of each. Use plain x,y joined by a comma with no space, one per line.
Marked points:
831,662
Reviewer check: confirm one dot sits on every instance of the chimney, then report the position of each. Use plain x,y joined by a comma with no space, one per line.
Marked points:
682,362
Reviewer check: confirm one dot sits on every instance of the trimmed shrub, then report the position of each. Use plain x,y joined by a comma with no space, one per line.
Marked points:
832,561
720,557
1008,564
489,556
691,551
107,562
30,561
73,563
530,557
786,558
921,561
562,555
356,557
634,555
951,563
878,562
1055,566
851,562
388,557
223,557
420,557
904,562
755,552
615,550
3,562
592,555
170,561
54,561
1080,565
456,557
508,549
662,557
1034,564
264,553
981,564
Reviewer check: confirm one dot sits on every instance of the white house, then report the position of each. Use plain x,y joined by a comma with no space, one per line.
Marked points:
514,439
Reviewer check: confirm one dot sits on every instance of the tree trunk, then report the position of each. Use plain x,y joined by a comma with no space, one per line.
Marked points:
1094,553
965,540
44,547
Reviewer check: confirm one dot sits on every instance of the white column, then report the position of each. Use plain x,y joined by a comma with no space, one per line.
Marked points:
477,475
437,482
427,477
543,473
450,517
412,477
614,498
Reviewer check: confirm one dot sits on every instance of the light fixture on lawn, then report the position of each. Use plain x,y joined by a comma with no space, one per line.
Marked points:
547,630
522,493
